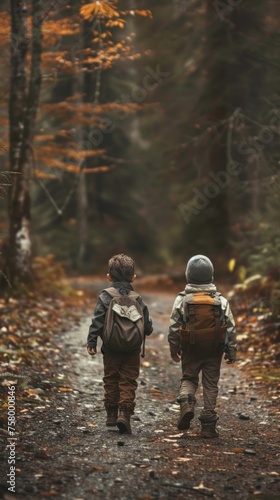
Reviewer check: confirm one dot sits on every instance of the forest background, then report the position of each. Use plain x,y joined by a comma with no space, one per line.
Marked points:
150,128
145,127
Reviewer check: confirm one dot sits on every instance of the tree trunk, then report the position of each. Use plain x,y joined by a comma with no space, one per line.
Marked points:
82,220
22,110
82,200
218,110
233,76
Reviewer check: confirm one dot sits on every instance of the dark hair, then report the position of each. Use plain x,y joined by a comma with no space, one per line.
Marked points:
121,268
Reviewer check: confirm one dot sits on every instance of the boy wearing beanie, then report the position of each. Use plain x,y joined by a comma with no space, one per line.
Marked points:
201,329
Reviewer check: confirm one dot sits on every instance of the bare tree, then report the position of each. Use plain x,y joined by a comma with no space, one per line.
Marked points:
24,100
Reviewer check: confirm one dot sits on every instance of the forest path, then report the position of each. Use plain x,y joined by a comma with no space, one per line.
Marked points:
70,454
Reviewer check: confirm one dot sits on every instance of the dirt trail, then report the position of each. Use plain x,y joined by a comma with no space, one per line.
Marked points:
65,450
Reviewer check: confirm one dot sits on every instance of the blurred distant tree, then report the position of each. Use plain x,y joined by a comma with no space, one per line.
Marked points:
216,107
233,66
85,119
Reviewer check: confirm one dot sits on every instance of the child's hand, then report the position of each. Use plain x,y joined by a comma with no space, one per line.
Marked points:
91,351
229,360
176,356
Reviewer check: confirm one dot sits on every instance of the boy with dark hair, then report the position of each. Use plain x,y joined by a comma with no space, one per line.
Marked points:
122,321
201,329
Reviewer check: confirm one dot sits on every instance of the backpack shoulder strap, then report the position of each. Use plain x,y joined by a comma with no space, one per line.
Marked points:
217,299
184,303
133,295
189,305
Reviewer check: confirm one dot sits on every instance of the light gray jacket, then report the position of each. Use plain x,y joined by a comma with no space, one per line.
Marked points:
176,320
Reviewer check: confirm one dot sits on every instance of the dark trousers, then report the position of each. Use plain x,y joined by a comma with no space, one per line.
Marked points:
194,362
120,380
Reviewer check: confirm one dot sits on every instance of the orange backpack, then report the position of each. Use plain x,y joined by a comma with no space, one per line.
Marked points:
203,318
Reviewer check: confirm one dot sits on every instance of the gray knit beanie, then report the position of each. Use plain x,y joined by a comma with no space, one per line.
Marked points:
200,270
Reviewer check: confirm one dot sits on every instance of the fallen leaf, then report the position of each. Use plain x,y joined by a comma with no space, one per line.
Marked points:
202,488
50,493
96,468
42,455
146,363
231,265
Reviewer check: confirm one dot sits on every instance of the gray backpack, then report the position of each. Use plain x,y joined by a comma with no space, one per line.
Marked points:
124,322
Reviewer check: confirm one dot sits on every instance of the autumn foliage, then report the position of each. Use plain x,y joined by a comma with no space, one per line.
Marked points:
60,152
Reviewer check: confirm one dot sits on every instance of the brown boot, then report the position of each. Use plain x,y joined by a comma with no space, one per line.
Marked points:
208,430
123,422
112,415
187,412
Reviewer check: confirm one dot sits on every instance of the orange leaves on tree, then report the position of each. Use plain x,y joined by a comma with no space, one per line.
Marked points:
64,54
90,11
144,13
75,169
96,170
117,23
85,154
5,27
45,137
65,166
61,27
39,174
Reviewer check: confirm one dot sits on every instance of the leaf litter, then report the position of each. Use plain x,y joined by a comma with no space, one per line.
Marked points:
63,439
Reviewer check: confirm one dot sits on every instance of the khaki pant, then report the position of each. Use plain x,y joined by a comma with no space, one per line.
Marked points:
120,380
193,362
